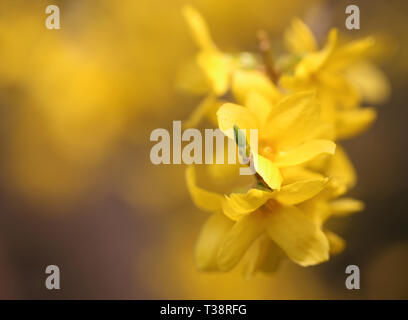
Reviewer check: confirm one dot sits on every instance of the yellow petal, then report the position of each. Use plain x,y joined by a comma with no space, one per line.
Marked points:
337,244
237,241
304,152
350,123
346,206
198,28
299,38
334,189
237,205
370,82
246,81
350,53
217,67
259,105
263,255
297,173
230,115
297,235
269,172
211,236
300,191
203,199
329,106
191,78
341,168
314,61
317,209
272,259
339,89
292,119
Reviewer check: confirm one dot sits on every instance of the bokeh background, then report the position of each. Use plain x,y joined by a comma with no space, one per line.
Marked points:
77,188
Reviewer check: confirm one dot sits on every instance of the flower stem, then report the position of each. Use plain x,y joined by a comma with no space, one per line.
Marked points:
267,55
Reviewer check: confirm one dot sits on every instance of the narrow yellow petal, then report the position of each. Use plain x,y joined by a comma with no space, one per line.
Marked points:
297,235
314,61
263,255
272,259
350,123
300,191
370,81
339,89
346,206
203,199
317,209
259,105
230,115
304,152
292,119
217,67
351,53
269,172
336,243
211,236
299,38
341,168
238,205
237,241
199,29
297,173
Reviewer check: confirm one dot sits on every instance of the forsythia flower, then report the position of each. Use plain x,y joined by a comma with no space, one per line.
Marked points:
288,131
254,213
340,76
299,106
217,66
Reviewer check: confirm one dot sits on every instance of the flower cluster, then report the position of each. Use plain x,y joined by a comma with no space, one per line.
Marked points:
302,103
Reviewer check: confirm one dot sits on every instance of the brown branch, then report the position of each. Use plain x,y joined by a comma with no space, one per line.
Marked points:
267,55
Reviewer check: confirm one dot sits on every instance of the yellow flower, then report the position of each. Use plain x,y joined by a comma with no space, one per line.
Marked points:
216,65
300,174
338,167
325,205
288,132
265,224
335,72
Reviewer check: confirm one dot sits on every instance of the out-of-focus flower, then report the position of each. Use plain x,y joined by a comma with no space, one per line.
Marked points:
217,66
340,74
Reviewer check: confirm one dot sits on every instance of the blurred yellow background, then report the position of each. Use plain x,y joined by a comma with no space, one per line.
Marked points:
77,187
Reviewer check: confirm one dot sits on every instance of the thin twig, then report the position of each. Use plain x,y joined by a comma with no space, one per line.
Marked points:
265,48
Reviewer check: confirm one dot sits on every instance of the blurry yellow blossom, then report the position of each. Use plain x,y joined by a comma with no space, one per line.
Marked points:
217,66
340,74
